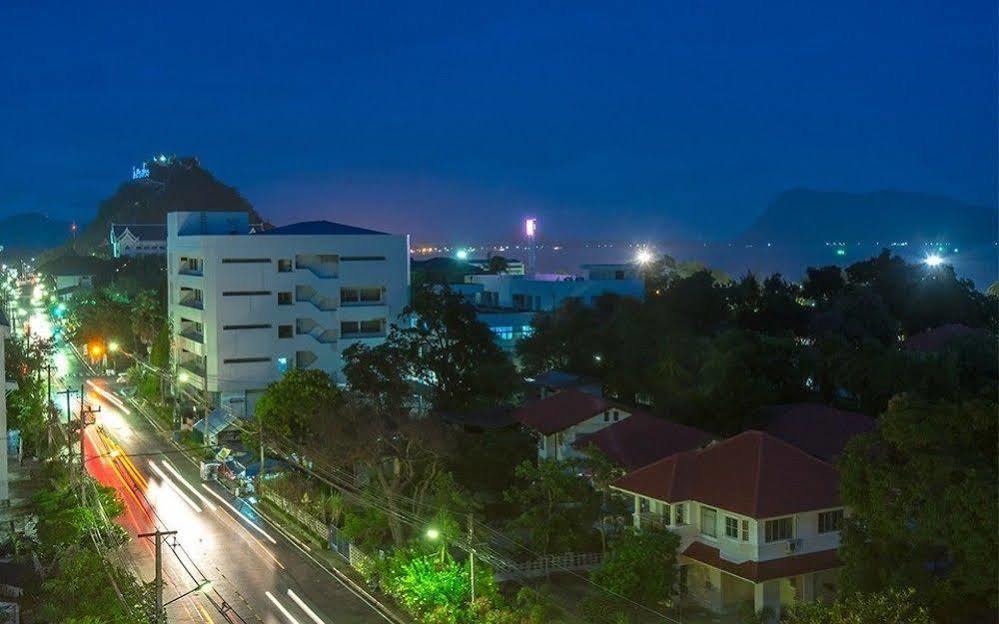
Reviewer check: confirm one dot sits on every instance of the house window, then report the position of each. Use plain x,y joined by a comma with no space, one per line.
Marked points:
731,527
830,521
779,529
709,522
745,530
284,266
284,298
285,331
643,505
606,417
678,512
282,365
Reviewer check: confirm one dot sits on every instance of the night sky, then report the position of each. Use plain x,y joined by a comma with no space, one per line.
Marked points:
456,120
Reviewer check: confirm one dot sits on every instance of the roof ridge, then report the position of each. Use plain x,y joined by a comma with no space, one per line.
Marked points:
796,449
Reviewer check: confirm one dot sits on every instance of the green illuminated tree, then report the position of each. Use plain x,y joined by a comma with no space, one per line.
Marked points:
888,607
641,566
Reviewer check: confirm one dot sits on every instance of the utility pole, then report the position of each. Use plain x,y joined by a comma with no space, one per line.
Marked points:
85,410
158,536
69,412
48,403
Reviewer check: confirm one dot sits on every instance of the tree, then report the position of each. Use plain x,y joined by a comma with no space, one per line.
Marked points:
147,318
292,405
641,566
922,493
497,264
887,607
824,284
557,507
445,347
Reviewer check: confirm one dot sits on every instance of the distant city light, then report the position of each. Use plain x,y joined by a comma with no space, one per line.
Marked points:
531,227
644,256
840,252
461,254
933,260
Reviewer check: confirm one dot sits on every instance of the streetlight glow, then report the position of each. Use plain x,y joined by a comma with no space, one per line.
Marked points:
461,254
933,260
433,534
112,346
183,377
644,256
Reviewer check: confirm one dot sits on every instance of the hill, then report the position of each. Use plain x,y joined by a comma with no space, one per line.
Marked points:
30,232
804,215
172,184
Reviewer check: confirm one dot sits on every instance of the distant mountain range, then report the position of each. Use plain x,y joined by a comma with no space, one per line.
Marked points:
804,215
30,232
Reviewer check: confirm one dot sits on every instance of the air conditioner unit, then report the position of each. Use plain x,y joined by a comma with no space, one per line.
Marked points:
791,546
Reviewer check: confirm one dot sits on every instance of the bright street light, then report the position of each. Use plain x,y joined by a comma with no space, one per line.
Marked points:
644,256
433,534
933,260
183,377
461,254
112,346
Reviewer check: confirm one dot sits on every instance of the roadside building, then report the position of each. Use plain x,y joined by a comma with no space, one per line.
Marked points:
246,307
137,239
758,519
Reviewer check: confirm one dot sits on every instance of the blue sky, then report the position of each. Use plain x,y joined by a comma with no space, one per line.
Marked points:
455,120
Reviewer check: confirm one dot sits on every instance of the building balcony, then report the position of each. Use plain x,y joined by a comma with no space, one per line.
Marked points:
648,520
193,370
192,302
193,335
189,271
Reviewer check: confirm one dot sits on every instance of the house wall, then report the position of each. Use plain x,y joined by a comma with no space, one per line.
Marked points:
559,445
253,287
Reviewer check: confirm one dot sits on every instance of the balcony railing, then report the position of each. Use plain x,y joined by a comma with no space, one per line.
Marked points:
192,302
194,335
193,367
652,520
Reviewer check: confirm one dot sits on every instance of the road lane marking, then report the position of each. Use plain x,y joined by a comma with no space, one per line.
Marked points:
291,618
309,612
243,515
174,487
184,482
204,613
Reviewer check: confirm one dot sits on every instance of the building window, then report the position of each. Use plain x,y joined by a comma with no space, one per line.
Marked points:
709,522
779,529
246,260
745,530
373,327
254,326
830,521
282,365
245,293
285,266
731,527
678,514
284,298
285,331
246,360
643,505
504,332
606,417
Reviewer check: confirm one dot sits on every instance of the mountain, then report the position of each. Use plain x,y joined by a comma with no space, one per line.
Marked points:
166,184
804,215
29,232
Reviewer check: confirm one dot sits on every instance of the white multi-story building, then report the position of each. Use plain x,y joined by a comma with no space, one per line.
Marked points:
247,307
758,519
142,239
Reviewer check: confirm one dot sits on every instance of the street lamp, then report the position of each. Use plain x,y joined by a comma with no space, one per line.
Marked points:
933,260
433,534
643,256
183,377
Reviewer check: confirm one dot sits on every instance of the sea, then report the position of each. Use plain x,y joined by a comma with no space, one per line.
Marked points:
978,262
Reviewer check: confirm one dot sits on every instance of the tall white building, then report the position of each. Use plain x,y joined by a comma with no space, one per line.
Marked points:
245,307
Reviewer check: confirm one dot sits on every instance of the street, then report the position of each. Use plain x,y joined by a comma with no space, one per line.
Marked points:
254,572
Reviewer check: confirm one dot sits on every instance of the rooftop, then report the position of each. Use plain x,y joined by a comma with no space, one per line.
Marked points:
142,231
818,430
560,411
642,439
754,474
759,571
317,228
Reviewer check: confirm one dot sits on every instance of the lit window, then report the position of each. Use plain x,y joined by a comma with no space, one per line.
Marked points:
678,514
830,521
745,530
709,522
731,527
779,529
282,365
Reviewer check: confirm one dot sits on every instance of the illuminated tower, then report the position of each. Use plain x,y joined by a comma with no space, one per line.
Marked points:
531,230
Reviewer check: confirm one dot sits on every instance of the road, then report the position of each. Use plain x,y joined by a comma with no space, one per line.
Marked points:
252,565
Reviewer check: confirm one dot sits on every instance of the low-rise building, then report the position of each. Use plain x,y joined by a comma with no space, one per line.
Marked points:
138,239
568,422
247,306
758,519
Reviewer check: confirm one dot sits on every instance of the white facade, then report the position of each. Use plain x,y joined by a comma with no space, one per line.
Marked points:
246,307
739,539
545,293
137,240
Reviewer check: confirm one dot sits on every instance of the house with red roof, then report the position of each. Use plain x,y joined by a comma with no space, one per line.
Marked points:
560,419
642,439
758,519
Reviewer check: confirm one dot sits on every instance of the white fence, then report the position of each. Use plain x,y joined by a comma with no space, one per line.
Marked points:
543,566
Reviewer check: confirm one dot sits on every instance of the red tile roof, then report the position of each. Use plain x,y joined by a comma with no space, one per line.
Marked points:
642,439
759,571
753,474
560,411
818,430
